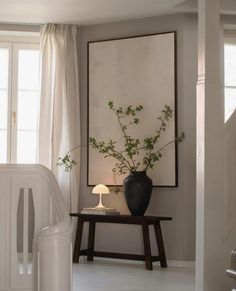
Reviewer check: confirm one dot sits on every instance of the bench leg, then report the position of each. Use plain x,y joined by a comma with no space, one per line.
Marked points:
78,238
91,238
160,244
147,247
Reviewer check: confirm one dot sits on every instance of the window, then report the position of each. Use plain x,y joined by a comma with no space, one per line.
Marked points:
19,102
230,77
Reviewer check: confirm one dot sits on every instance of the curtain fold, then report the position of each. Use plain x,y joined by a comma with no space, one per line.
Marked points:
59,120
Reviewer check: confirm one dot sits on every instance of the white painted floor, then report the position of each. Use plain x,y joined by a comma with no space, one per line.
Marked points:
102,275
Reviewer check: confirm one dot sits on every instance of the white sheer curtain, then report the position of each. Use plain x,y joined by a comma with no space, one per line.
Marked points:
59,122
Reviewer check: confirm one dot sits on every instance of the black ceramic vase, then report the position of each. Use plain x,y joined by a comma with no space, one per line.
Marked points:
137,190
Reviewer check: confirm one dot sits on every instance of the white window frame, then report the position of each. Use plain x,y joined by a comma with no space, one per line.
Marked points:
9,47
229,38
14,41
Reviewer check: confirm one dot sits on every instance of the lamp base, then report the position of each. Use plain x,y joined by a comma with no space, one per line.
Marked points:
100,206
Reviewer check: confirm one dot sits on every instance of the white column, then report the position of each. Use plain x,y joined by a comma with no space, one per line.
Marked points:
209,148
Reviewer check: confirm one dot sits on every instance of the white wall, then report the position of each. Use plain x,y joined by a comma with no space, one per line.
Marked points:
229,213
229,198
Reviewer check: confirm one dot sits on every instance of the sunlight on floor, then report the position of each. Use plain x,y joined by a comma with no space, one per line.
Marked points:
118,276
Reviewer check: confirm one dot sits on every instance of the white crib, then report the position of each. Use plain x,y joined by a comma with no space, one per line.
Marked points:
35,231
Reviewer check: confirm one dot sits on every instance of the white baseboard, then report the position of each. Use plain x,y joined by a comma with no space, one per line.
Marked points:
170,263
181,264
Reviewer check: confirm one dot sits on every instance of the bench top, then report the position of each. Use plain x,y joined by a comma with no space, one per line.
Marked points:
121,218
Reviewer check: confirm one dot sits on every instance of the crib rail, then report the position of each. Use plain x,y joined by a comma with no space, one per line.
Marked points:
36,231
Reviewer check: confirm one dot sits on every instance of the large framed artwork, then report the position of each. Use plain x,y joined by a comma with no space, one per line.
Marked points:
139,70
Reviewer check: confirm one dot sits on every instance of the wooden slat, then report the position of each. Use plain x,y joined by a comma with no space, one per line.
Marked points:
123,219
122,256
147,246
91,237
78,238
160,245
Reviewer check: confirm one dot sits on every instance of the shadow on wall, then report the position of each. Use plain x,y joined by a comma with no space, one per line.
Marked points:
229,198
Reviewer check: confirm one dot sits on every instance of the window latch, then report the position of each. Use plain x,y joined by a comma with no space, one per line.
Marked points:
14,117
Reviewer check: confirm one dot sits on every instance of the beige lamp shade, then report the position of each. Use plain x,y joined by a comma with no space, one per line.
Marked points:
100,189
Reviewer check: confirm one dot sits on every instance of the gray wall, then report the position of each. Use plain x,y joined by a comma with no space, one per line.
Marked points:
179,235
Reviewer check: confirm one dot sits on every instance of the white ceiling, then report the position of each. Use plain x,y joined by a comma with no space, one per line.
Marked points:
85,12
81,11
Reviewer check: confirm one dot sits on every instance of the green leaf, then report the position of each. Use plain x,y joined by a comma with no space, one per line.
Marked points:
131,153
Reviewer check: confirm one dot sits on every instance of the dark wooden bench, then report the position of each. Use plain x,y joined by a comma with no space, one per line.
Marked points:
143,221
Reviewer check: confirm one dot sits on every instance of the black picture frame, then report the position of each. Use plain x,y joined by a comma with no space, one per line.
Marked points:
97,51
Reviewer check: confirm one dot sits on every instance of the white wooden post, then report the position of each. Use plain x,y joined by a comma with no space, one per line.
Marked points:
209,148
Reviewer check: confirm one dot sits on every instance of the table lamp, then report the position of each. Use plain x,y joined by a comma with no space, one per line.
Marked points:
100,189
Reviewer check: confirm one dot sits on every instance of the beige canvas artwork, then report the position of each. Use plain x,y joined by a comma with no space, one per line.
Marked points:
137,71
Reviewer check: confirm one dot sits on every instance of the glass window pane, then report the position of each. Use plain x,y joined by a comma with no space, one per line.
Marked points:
3,146
4,60
26,147
28,105
28,69
3,109
27,109
4,68
230,102
230,65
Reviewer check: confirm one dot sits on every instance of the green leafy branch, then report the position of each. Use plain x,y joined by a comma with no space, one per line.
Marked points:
67,162
128,157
